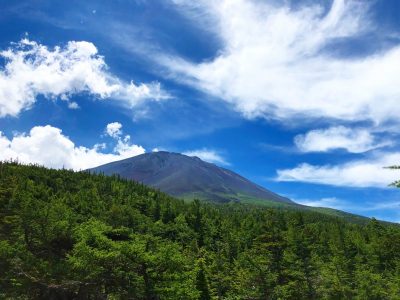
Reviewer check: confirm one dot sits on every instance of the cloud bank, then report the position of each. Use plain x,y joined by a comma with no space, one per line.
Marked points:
48,146
32,69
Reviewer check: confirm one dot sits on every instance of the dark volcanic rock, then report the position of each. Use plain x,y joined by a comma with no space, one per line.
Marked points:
184,176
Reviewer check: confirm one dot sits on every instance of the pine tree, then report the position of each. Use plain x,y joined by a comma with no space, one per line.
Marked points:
201,282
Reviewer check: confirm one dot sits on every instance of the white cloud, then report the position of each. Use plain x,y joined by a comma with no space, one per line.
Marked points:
73,105
32,69
114,129
331,202
123,147
126,149
46,145
358,173
323,140
350,206
383,205
208,155
274,61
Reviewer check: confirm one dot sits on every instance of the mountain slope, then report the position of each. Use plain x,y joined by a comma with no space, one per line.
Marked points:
189,177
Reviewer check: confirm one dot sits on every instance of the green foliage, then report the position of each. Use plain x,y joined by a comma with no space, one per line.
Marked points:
73,235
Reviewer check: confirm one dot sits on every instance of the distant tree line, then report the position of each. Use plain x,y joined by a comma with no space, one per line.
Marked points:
74,235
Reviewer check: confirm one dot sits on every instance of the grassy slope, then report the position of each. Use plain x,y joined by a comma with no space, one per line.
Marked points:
244,199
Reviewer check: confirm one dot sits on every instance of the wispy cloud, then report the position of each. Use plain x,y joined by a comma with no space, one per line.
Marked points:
354,140
208,155
274,61
330,202
382,205
368,172
346,205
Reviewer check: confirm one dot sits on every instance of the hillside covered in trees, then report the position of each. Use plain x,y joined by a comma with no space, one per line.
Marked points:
68,235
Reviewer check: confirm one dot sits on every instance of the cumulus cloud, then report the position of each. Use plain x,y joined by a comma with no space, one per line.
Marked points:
123,146
73,105
125,149
32,69
114,129
275,63
339,137
369,172
48,146
208,155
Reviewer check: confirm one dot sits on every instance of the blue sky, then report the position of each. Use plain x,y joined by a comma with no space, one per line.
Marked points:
299,96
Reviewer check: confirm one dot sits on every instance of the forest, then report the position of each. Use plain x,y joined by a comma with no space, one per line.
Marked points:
76,235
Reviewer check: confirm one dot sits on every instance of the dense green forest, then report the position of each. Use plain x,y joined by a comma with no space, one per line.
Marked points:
73,235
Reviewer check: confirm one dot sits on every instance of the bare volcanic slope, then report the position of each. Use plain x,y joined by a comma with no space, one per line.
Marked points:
189,177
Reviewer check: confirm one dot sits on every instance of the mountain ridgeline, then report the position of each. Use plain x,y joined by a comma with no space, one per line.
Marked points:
189,177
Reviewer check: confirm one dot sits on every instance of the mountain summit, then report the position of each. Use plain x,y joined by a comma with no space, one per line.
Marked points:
189,177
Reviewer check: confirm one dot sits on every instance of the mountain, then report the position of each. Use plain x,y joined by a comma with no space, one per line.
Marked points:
190,177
